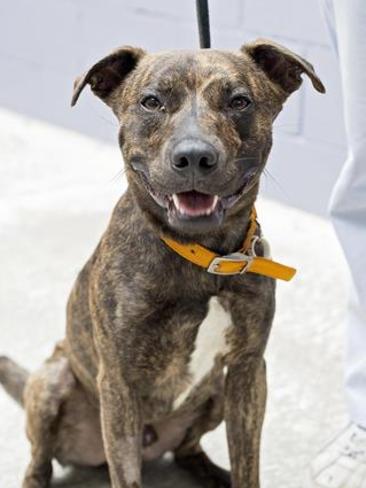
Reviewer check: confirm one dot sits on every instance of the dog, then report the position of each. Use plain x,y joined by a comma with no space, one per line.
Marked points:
162,345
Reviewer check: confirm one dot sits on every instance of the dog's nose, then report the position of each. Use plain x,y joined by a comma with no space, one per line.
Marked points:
194,155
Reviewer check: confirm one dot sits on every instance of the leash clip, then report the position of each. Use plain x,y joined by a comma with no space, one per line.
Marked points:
236,257
265,245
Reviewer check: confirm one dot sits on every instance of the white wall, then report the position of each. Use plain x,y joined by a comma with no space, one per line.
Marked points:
44,44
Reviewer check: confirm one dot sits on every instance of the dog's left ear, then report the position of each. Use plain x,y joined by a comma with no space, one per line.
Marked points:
108,73
281,65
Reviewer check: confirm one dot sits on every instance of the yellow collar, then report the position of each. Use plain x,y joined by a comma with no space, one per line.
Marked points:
243,261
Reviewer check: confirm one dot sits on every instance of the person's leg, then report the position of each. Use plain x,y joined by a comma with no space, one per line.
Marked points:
342,462
348,202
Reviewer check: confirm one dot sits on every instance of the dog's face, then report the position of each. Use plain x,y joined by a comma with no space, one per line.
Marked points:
196,127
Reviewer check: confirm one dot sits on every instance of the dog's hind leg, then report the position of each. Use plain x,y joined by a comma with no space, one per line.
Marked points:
190,456
44,394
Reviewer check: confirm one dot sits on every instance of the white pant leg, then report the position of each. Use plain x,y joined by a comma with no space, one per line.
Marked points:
348,201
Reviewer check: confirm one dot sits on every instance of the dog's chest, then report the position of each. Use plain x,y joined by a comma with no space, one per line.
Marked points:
210,342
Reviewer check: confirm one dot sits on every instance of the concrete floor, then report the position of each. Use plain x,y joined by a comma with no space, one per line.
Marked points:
57,189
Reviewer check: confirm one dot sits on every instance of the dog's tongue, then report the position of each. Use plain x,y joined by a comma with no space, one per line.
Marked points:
194,204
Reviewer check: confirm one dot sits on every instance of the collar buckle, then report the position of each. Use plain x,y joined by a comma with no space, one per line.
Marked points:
236,257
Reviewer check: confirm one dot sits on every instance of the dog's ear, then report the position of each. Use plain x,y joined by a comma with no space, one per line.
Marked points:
106,75
281,65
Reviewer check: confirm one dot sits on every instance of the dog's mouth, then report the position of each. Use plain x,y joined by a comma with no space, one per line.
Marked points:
193,204
196,206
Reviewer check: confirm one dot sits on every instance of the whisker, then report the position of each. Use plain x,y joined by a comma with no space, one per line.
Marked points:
111,122
118,176
245,158
279,186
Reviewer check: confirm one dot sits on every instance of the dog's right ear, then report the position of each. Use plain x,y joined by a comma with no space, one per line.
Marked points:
106,75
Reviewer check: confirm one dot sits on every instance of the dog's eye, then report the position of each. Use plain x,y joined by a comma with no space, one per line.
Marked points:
151,103
239,102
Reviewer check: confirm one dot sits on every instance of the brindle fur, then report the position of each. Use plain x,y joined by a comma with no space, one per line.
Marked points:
135,309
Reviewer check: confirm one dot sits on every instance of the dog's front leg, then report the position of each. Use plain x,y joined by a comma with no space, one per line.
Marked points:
121,426
244,411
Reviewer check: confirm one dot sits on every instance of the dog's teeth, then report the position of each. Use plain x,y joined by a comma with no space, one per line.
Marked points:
213,206
216,199
176,203
175,199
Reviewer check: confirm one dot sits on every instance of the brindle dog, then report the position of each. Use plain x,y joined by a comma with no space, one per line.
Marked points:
158,351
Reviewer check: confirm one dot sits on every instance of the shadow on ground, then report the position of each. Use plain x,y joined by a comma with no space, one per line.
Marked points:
158,474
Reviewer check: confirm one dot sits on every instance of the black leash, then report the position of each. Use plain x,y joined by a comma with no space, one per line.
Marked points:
203,20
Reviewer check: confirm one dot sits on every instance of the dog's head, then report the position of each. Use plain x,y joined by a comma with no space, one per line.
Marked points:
196,127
